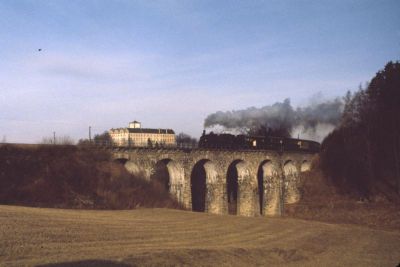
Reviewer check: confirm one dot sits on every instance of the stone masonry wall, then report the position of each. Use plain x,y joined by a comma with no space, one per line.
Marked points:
279,173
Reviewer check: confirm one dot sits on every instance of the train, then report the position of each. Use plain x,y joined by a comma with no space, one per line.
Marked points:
241,141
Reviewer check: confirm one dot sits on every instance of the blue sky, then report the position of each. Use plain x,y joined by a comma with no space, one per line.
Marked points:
169,64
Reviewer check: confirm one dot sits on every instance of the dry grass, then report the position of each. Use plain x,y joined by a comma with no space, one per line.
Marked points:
73,177
320,201
162,237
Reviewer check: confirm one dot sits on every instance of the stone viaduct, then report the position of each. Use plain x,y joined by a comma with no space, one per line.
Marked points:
242,182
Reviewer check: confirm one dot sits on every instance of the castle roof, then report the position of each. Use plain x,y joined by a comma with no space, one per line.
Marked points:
145,130
154,131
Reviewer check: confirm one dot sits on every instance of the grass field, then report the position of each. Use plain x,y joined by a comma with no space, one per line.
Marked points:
162,237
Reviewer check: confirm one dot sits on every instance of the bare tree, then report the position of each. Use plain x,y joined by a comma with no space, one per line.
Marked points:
185,140
60,140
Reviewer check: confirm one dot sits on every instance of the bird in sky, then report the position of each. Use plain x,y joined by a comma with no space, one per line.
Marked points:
40,49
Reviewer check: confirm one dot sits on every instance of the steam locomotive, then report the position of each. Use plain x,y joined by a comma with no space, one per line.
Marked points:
230,141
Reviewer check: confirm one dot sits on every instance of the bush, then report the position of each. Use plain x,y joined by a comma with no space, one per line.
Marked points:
73,177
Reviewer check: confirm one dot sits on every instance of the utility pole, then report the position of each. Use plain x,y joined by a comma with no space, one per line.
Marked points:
90,134
54,138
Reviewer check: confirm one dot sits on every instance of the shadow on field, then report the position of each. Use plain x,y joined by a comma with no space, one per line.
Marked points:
87,263
199,257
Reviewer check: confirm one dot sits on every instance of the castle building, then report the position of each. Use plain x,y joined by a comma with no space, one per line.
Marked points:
136,136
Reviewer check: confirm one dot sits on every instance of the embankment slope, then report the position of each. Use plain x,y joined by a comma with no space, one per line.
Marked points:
60,176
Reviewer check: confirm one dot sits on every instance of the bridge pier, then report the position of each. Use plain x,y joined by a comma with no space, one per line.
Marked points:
291,181
247,199
273,204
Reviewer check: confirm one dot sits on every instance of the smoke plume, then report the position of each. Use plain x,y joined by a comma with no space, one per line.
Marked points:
311,122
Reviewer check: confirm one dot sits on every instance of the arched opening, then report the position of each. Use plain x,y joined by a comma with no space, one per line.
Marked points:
134,169
305,166
241,189
198,179
232,187
161,175
121,161
232,191
265,174
260,183
289,168
169,175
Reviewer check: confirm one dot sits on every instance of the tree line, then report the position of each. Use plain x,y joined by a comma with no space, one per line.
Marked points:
362,155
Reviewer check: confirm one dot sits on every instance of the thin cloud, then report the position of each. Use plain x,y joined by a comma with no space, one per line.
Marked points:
88,66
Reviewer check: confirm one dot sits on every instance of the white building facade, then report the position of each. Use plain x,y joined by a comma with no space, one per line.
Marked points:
136,136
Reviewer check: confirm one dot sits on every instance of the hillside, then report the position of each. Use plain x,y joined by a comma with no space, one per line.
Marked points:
362,155
323,201
162,237
356,176
73,177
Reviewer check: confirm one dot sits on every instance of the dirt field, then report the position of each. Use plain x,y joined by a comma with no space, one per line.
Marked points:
161,237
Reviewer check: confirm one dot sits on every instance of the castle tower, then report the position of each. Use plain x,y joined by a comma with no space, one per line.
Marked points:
134,125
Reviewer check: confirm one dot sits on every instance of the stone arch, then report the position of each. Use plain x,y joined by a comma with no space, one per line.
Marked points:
291,194
169,174
134,169
240,189
289,168
305,166
205,193
121,160
269,189
160,173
